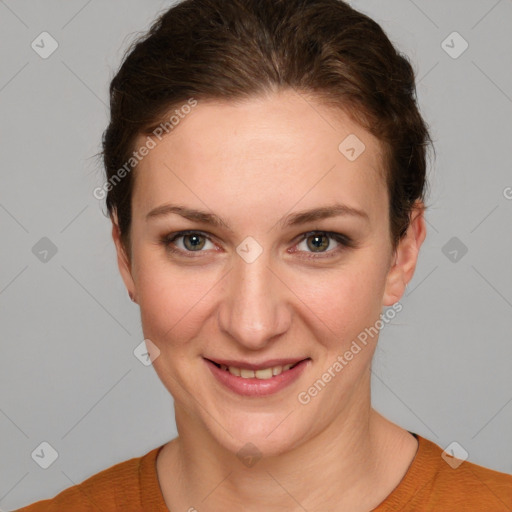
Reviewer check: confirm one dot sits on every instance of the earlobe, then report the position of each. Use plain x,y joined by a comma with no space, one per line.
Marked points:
395,285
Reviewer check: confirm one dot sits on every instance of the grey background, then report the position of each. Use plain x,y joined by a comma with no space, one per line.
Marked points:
68,328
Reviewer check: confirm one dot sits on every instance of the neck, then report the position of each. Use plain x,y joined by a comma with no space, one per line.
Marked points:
351,465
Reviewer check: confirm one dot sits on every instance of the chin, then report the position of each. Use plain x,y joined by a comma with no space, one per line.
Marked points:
259,434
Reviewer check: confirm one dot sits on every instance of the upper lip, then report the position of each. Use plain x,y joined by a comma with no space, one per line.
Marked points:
258,366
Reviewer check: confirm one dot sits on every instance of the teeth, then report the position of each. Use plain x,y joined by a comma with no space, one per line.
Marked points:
234,371
277,370
263,374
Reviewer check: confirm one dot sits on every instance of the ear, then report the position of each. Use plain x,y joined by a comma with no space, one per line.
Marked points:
123,260
405,257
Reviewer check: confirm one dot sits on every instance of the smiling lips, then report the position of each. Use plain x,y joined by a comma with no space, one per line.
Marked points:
257,379
265,370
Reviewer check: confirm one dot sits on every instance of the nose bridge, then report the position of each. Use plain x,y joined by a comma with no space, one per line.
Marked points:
254,308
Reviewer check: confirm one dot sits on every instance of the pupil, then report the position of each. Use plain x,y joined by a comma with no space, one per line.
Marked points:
196,243
317,244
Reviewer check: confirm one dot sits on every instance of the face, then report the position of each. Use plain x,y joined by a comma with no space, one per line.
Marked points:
252,282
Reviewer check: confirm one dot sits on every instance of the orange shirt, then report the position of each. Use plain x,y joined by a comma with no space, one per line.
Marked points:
430,484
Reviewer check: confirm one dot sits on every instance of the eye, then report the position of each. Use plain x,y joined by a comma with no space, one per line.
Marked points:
318,242
191,241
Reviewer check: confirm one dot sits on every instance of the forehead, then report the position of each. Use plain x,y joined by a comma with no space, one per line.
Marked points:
266,152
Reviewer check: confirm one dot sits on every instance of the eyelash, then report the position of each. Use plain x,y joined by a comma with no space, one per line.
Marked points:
344,241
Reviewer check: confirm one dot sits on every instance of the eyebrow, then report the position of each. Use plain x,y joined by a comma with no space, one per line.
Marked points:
294,219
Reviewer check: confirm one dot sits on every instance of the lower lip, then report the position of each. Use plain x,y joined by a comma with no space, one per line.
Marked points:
257,387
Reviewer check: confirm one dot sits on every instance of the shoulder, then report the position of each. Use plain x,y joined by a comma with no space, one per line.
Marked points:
116,487
438,481
470,483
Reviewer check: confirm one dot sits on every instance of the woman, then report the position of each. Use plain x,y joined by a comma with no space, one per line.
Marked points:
266,165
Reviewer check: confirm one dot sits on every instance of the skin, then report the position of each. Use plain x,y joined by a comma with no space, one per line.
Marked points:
253,163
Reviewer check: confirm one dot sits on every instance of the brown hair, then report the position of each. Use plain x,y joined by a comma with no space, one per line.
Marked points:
237,49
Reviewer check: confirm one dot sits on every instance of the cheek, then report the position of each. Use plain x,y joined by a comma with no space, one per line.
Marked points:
171,298
343,302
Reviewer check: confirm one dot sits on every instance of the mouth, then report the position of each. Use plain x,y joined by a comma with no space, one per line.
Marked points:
257,380
261,371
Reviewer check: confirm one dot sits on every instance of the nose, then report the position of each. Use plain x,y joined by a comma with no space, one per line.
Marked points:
255,308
